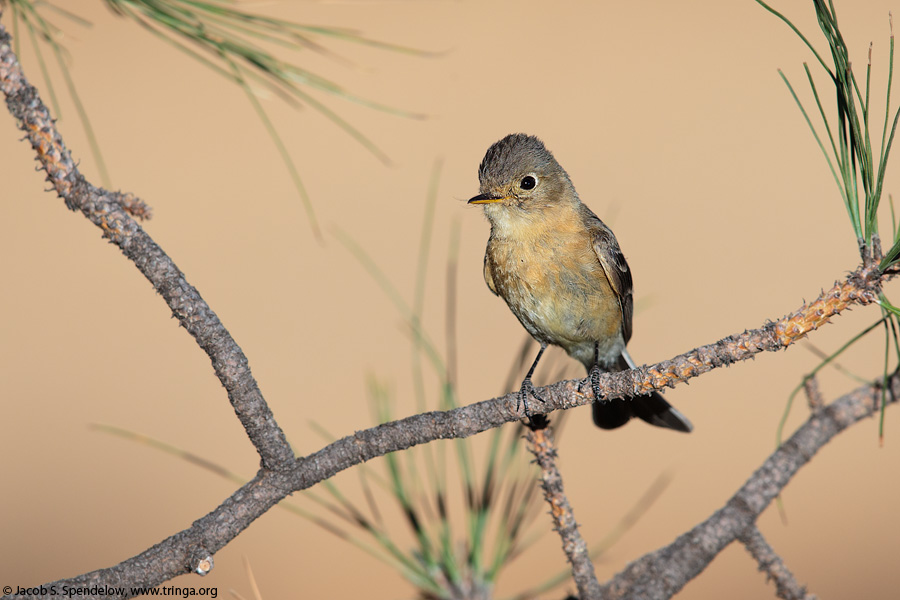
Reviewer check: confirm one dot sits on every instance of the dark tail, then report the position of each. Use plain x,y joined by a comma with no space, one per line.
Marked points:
610,414
652,408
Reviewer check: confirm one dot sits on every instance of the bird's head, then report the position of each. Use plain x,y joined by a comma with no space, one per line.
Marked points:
519,175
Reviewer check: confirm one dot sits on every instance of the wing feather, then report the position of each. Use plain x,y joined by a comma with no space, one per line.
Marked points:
488,276
606,247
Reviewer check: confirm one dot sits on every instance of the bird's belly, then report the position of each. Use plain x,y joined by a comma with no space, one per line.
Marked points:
561,298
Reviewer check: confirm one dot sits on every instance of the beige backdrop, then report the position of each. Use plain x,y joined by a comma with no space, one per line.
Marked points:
675,127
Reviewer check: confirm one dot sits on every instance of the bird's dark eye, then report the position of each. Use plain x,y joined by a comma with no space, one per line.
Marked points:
528,182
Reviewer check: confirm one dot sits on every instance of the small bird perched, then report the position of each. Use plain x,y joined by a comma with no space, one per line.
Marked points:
561,272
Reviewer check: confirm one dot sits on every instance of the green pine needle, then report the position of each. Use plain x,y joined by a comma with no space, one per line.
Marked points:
861,172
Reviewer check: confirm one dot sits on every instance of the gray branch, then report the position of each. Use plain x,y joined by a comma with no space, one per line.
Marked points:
786,586
543,446
110,212
661,574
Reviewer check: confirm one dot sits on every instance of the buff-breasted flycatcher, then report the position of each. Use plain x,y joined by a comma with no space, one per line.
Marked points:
561,272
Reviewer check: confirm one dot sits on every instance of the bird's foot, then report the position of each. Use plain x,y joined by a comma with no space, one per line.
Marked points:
595,383
526,390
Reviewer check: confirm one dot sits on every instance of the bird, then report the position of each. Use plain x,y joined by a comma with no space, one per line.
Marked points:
562,273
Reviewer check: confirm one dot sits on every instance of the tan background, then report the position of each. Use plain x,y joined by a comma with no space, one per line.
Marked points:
675,127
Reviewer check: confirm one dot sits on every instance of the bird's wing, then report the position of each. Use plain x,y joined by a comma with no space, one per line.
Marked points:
606,247
488,277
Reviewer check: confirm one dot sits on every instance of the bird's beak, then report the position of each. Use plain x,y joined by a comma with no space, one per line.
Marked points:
485,199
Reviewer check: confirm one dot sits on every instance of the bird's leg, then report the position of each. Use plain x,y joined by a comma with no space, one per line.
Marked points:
595,373
527,386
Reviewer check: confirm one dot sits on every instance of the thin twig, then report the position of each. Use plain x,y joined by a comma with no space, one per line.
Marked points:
541,444
813,395
786,586
133,205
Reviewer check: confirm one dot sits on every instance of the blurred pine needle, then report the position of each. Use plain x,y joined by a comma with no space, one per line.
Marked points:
232,43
